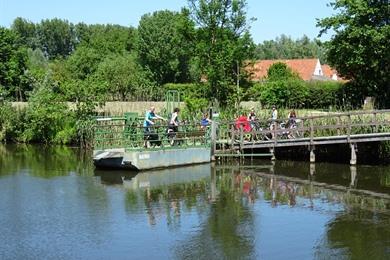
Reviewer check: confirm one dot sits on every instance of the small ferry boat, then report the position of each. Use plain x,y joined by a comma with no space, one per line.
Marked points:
120,143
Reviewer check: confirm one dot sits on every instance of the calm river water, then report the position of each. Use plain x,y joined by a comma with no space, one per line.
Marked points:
54,205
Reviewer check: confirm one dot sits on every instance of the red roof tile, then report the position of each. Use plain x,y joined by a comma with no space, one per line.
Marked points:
304,67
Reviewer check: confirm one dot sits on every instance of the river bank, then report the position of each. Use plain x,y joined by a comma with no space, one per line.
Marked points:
53,123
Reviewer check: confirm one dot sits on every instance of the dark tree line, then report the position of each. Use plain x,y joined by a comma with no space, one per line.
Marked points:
284,47
206,44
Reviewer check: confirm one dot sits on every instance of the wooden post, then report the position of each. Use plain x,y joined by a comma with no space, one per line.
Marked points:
338,123
274,129
353,154
349,128
302,124
353,176
213,139
311,131
272,151
312,169
312,154
213,183
272,169
233,135
375,123
311,147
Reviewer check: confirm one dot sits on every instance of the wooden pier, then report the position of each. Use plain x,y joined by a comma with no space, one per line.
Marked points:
333,128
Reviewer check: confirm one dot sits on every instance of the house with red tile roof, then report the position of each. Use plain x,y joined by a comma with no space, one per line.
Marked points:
307,69
329,72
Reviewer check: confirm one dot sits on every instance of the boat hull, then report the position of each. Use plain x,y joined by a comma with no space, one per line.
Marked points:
150,159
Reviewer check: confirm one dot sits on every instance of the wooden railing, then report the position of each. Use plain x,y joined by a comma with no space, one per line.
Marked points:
307,130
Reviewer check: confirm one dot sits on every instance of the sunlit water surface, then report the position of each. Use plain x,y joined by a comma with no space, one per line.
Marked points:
54,205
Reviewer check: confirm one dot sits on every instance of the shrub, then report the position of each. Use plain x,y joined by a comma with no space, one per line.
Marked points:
324,94
45,117
286,93
10,122
300,94
188,90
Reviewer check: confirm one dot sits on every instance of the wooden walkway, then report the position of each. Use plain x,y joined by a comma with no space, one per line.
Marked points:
333,128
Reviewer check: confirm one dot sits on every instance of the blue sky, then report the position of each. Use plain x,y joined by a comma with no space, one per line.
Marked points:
274,17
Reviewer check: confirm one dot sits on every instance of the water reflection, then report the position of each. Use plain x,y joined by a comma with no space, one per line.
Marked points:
55,205
212,195
368,179
44,161
225,197
281,186
356,235
112,177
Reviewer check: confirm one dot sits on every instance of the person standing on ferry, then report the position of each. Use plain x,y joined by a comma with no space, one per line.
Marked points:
150,117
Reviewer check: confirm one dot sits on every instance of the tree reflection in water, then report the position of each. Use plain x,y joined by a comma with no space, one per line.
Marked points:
45,161
356,234
224,199
220,199
227,231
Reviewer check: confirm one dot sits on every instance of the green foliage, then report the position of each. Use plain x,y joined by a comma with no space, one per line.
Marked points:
188,90
87,94
12,64
384,152
36,71
83,62
106,39
123,76
223,43
165,45
10,120
37,64
286,93
280,71
300,94
56,37
59,38
27,32
195,106
323,94
359,50
47,119
284,47
57,61
194,96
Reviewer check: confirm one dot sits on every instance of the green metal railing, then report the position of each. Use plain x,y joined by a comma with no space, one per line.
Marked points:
128,133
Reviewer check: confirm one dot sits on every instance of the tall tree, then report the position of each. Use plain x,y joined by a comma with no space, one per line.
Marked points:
13,59
165,45
360,48
106,39
123,76
223,42
284,47
94,44
83,62
27,32
57,37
